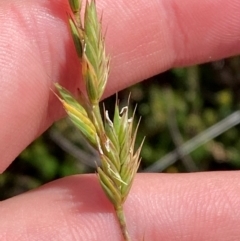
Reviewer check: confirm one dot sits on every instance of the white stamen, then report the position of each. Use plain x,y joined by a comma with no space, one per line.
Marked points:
107,145
99,145
130,120
124,110
108,119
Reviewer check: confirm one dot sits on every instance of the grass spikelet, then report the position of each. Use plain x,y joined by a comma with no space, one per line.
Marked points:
114,140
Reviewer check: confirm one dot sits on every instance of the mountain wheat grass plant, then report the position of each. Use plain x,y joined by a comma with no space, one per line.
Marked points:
113,139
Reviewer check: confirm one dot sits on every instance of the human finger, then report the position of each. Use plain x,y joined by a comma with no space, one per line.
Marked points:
143,39
189,207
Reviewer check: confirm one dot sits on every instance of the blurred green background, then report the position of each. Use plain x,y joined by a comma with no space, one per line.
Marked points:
189,117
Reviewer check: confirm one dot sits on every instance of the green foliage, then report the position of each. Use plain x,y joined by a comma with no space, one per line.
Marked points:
41,162
190,101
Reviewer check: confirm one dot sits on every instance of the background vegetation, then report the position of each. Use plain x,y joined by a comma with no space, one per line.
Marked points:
177,107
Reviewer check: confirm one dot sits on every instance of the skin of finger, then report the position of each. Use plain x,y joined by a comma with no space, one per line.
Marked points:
143,39
37,52
194,207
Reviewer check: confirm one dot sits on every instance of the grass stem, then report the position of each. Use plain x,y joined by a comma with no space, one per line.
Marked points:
122,222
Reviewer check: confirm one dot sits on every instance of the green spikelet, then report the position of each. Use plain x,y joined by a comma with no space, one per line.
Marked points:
114,140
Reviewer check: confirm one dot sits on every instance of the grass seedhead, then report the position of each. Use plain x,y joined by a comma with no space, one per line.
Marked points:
114,140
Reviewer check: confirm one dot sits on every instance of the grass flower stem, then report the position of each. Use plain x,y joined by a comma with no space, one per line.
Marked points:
122,222
114,140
